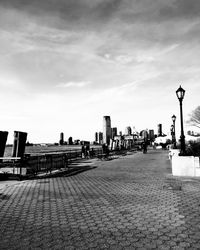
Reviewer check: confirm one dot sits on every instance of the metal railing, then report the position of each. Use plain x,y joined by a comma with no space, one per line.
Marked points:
48,162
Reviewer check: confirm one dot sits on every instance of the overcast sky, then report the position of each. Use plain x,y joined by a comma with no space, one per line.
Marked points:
64,64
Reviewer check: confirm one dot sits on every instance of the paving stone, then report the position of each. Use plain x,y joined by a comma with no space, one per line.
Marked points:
128,203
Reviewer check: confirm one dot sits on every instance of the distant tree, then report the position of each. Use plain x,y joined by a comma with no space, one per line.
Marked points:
29,144
194,119
168,141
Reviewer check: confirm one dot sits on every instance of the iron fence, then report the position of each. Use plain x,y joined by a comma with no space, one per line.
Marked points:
48,162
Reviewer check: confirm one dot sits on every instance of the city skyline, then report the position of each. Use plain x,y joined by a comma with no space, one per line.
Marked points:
66,64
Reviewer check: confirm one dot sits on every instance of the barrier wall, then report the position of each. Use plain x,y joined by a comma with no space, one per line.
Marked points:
185,166
3,139
19,144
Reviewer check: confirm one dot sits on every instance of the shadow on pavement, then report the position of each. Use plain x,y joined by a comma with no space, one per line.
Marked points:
66,173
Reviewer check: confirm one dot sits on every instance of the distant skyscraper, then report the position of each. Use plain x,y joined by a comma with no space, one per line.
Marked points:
61,142
70,141
96,137
144,134
100,138
128,131
106,129
151,135
159,129
114,132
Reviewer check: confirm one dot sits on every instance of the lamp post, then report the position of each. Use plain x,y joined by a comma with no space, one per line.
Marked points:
180,92
174,131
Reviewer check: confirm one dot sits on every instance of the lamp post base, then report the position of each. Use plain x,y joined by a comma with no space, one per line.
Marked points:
182,152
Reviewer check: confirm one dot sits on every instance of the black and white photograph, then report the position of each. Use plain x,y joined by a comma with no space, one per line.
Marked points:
99,124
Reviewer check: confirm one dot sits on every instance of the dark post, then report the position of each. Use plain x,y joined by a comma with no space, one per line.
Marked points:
159,129
182,131
19,144
172,133
3,139
174,130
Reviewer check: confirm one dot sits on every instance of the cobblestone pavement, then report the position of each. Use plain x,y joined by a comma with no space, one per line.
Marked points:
132,202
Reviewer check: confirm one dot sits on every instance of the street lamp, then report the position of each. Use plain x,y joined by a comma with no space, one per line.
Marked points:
174,131
180,92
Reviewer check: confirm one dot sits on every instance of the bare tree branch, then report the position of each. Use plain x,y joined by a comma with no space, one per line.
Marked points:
194,119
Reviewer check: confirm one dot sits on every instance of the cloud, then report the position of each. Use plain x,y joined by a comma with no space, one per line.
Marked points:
131,22
124,59
111,55
102,10
63,14
180,9
10,46
124,92
73,84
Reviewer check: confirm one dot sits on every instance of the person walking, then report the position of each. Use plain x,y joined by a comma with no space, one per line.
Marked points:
87,149
144,146
83,151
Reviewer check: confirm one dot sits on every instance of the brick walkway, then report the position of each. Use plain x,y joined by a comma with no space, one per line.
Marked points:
132,202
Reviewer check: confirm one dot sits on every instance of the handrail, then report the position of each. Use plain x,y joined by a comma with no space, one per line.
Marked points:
47,162
10,158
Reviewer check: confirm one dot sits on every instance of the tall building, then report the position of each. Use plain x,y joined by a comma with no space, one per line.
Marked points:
151,135
106,129
144,134
159,129
70,141
61,142
100,138
128,130
96,137
114,132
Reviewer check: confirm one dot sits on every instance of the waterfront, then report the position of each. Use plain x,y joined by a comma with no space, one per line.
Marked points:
42,149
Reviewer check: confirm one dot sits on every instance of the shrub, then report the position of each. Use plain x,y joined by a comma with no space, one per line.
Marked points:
193,149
